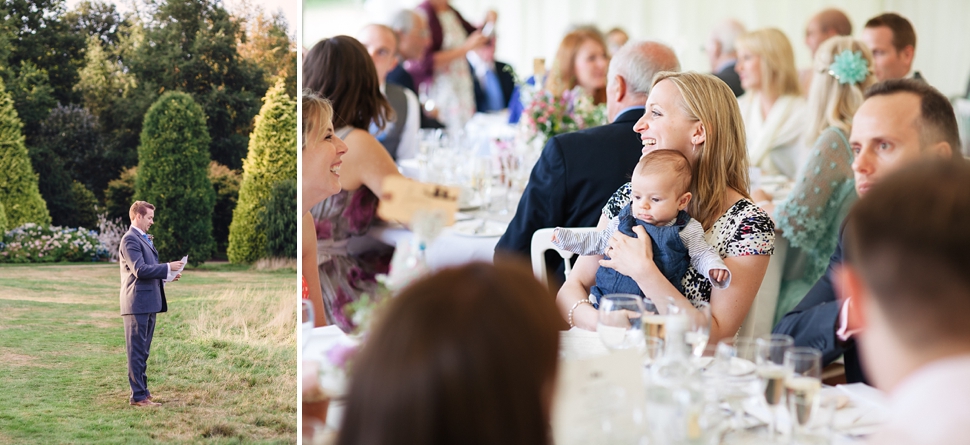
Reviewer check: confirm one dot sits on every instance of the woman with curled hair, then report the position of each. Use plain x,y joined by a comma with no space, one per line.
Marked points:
340,69
582,61
465,356
697,115
811,215
772,107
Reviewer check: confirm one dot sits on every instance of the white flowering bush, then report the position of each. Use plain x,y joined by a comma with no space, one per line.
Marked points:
110,232
33,243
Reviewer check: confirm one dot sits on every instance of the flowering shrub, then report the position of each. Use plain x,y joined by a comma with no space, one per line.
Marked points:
548,115
110,232
32,243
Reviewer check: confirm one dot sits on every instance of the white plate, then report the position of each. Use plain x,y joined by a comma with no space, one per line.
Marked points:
471,205
468,228
740,366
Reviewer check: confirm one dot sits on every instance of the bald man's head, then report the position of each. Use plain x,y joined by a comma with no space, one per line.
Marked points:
827,23
381,44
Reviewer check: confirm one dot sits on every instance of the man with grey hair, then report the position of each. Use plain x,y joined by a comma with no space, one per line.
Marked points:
413,37
400,137
722,54
578,171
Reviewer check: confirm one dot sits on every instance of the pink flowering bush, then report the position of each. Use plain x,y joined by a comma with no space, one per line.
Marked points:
33,243
548,115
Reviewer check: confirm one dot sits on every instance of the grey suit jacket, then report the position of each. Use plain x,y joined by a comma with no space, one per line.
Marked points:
142,291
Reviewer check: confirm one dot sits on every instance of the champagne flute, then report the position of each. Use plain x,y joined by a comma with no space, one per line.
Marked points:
802,388
655,316
619,325
773,372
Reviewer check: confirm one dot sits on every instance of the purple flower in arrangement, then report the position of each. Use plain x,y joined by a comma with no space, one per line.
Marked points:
340,301
341,355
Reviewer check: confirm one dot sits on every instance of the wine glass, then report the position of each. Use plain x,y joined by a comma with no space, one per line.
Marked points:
698,325
306,328
655,311
733,368
802,387
773,371
619,325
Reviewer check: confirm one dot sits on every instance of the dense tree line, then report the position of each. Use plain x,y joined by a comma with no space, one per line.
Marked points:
81,81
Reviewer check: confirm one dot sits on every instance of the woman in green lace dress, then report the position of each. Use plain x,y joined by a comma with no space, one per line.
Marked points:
811,216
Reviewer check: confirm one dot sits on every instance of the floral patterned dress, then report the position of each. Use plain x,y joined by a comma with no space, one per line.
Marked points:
743,230
452,89
346,274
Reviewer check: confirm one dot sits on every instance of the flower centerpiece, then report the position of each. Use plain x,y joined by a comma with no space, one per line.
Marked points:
548,115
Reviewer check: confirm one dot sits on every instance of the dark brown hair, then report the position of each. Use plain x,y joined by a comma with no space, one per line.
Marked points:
903,33
908,239
666,161
139,208
937,122
465,356
340,69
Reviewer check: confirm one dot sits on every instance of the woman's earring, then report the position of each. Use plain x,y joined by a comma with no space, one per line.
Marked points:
694,150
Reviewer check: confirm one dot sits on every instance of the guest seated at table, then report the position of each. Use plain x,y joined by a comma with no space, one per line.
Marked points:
697,115
413,38
339,69
465,356
400,138
578,171
772,107
615,39
443,69
494,80
826,24
899,122
322,150
581,60
811,215
892,40
906,280
722,53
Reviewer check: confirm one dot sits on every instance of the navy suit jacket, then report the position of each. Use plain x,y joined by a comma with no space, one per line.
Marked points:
815,319
142,291
572,181
731,78
504,79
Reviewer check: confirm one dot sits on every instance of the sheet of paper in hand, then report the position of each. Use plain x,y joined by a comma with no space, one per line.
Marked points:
402,197
174,273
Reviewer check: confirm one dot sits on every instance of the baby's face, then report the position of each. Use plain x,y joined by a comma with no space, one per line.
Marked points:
656,198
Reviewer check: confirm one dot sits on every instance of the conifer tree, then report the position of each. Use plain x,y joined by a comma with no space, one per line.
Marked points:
19,193
173,164
271,158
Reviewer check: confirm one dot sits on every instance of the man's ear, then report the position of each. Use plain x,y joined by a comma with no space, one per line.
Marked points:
684,200
618,88
849,285
942,149
907,54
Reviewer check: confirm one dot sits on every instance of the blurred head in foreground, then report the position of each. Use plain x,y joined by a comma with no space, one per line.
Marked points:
908,270
465,356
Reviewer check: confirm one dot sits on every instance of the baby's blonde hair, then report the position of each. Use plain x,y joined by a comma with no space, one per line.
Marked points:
666,162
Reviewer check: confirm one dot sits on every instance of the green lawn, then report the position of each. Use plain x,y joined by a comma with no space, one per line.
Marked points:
223,359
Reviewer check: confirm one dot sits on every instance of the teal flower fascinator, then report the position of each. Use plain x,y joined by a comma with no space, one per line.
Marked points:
849,67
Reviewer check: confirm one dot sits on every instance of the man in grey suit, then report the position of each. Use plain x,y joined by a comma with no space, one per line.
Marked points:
142,296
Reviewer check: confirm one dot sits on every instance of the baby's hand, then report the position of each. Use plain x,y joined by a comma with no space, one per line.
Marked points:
554,232
718,275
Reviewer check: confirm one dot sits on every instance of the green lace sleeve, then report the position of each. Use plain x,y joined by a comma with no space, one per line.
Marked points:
810,216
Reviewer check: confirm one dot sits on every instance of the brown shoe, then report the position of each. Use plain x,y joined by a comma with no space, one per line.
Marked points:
145,402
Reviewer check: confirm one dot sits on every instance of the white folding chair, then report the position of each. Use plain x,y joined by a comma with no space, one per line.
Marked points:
541,242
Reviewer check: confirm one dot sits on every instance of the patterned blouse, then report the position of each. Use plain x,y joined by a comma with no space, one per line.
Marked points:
743,230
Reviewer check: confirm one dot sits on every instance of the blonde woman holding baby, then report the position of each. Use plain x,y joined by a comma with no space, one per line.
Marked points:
697,115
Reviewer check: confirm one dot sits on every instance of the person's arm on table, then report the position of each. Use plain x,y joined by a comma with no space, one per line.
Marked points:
633,257
576,289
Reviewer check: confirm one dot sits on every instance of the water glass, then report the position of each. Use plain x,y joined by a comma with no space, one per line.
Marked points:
773,371
619,325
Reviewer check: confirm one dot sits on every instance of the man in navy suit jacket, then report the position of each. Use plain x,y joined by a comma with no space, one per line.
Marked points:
142,296
492,80
578,172
889,132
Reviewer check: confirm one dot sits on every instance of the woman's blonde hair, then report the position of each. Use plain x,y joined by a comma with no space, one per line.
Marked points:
317,112
778,73
722,160
830,103
563,75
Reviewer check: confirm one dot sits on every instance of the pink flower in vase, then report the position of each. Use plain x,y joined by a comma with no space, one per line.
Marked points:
341,355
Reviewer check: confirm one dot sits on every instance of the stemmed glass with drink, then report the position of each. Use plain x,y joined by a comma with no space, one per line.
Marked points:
773,371
620,321
803,386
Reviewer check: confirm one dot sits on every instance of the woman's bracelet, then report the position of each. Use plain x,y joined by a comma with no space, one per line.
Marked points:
575,305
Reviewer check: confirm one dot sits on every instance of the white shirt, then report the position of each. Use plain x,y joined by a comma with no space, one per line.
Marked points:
931,406
774,141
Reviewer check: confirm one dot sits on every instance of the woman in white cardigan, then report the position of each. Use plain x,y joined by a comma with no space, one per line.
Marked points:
772,107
